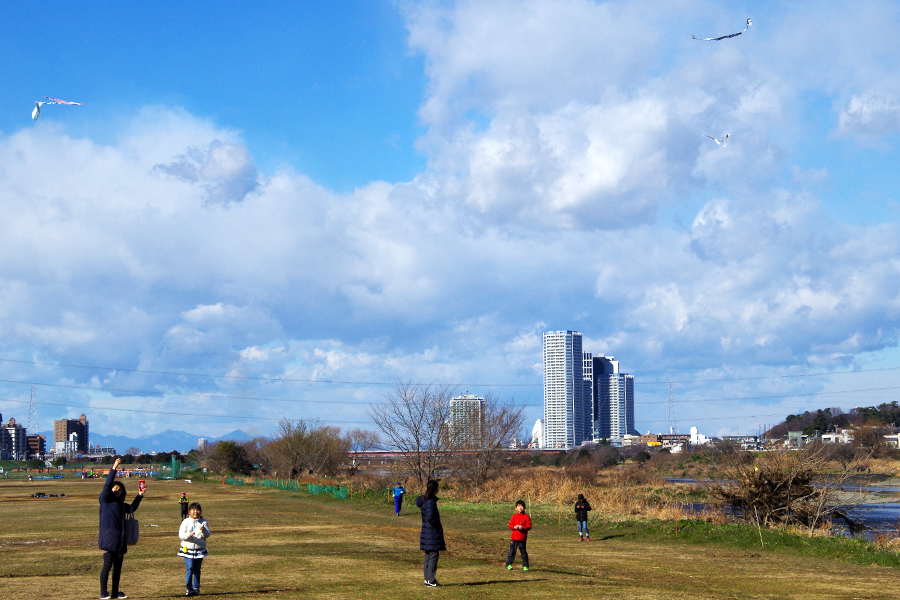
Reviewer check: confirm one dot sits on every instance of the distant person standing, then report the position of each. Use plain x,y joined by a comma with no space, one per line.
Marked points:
112,531
582,507
183,503
398,497
193,533
520,524
431,539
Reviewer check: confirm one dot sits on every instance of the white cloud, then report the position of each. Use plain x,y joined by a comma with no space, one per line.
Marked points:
871,115
561,140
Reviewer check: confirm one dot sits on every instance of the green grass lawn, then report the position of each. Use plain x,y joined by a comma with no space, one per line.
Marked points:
268,543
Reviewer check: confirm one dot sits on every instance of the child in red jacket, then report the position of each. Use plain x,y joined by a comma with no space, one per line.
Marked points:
520,524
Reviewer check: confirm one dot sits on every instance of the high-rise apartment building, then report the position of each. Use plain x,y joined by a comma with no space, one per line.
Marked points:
64,428
597,371
37,445
567,408
467,421
13,440
612,397
619,388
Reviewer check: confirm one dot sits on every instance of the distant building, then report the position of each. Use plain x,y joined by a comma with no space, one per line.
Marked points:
69,447
567,408
537,434
614,399
202,443
698,439
839,436
64,428
37,445
5,442
14,440
744,442
98,450
467,421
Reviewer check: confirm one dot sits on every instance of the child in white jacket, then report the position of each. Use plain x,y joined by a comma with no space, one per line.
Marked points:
193,533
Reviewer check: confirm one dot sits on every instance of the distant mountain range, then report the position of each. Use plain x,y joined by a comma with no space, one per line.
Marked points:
164,441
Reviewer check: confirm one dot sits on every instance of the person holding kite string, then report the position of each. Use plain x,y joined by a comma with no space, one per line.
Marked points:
112,531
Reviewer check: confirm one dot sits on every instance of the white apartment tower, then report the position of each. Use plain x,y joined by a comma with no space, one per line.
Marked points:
567,408
467,421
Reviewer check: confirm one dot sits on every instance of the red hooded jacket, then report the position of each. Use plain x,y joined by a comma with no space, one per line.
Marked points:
520,519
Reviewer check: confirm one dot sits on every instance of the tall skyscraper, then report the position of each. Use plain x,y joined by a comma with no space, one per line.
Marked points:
467,421
567,410
612,397
619,388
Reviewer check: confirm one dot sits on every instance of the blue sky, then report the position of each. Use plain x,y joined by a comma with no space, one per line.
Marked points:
257,202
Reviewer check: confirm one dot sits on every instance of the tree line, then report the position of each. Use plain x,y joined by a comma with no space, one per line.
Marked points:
414,421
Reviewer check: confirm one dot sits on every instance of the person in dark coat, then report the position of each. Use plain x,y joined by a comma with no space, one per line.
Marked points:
581,515
112,531
431,540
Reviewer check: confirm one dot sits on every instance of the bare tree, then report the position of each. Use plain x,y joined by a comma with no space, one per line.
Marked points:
363,440
785,486
480,447
258,453
307,447
412,420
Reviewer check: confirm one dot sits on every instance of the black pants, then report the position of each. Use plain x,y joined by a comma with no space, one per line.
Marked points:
430,565
111,560
520,545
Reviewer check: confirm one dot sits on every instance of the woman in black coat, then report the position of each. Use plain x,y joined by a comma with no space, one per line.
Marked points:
112,530
431,540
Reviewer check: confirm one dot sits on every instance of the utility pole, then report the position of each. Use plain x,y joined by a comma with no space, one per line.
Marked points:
672,420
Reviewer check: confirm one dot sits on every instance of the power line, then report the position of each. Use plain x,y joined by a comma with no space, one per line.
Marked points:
233,416
460,384
273,379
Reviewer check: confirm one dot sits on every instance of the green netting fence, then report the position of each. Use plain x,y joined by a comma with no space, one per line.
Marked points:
291,485
331,490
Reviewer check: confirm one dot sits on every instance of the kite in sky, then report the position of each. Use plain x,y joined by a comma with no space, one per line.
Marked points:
721,142
36,113
724,37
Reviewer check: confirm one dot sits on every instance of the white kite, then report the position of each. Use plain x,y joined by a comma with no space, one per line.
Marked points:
721,142
36,113
724,37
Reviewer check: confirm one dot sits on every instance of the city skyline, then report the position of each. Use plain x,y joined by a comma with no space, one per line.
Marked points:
283,211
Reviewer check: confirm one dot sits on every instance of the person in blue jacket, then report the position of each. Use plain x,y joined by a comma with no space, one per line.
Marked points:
431,540
112,531
398,497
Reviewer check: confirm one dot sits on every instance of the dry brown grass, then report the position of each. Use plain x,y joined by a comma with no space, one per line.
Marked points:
614,494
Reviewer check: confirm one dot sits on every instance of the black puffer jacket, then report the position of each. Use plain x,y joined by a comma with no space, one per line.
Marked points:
112,516
432,536
581,510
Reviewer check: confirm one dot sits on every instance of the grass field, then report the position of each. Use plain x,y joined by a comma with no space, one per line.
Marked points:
268,543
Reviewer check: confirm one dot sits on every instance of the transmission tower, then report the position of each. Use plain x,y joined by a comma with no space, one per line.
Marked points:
672,420
32,414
